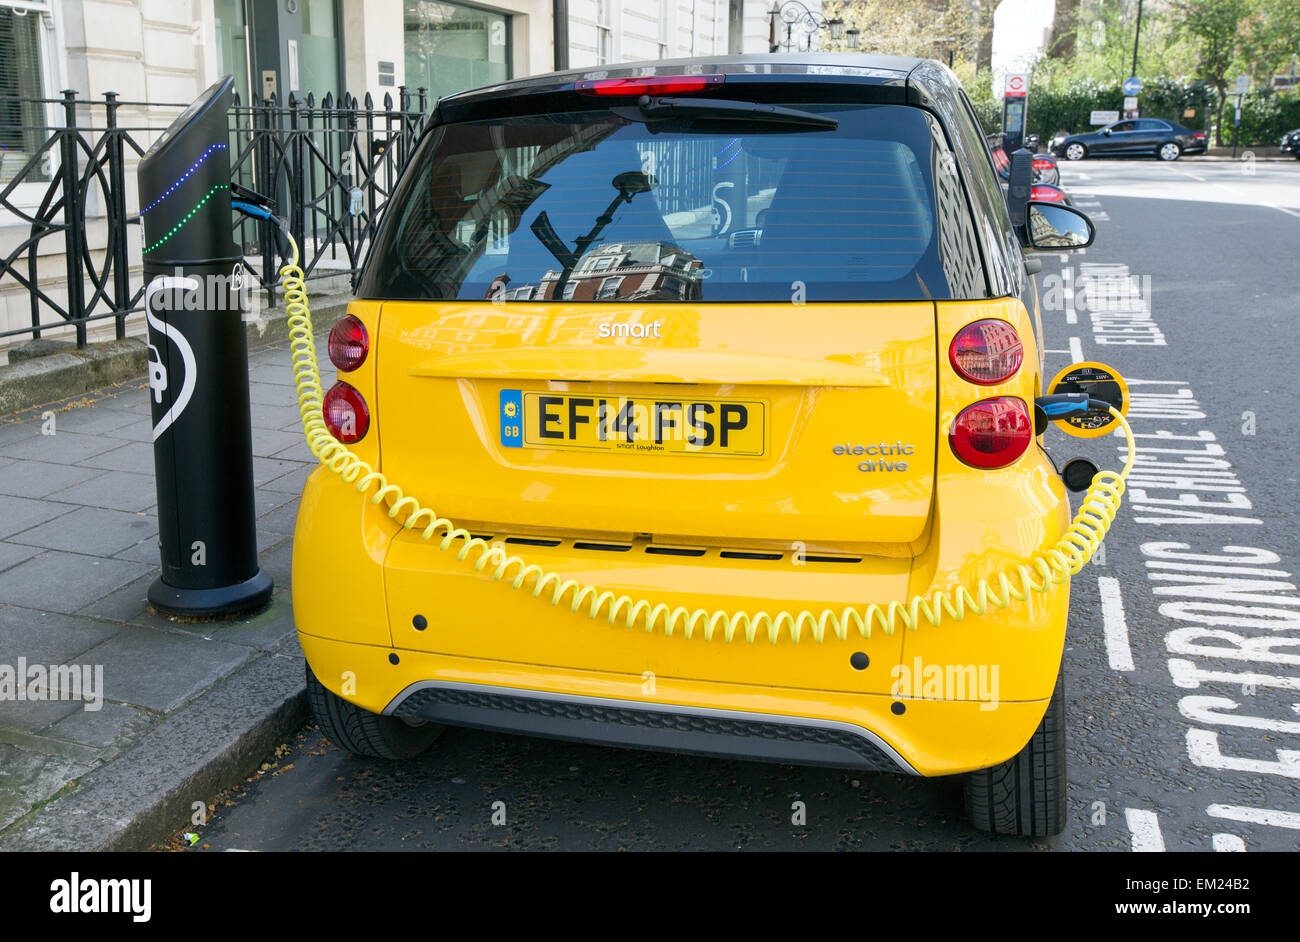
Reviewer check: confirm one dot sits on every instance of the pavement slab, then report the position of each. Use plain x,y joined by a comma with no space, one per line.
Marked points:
41,478
115,490
65,582
95,531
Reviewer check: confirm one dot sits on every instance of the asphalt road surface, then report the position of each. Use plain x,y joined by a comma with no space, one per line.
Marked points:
1182,661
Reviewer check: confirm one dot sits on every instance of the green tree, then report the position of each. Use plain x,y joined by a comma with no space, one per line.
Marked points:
1215,29
1271,39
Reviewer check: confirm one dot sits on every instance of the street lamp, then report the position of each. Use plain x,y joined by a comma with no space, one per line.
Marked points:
793,13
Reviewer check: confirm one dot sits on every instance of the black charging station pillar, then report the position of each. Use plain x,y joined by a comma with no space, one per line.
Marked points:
198,369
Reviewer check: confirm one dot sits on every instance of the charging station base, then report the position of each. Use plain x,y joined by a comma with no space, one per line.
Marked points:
209,603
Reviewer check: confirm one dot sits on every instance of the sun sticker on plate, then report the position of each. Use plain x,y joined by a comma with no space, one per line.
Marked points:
512,418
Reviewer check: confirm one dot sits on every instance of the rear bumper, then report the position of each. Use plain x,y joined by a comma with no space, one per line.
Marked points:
737,721
767,737
487,656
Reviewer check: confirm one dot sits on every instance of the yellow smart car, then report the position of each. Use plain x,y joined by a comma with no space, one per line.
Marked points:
692,373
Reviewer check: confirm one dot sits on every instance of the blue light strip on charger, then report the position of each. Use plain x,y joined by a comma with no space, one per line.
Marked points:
185,176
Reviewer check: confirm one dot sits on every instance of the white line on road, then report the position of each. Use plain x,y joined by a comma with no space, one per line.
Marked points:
1239,194
1227,843
1115,627
1076,350
1065,352
1277,819
1145,827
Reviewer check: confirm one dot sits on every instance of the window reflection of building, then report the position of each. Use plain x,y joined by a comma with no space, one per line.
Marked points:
463,331
627,271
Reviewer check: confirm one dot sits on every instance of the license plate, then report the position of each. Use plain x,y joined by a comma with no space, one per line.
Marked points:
662,425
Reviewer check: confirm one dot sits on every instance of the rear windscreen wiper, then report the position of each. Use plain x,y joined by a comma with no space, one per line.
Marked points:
719,109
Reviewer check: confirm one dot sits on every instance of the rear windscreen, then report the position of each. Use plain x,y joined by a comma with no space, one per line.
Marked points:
591,206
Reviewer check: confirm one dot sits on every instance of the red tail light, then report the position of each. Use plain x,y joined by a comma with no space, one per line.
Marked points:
986,352
1046,193
348,344
992,433
650,85
1043,163
1199,135
346,414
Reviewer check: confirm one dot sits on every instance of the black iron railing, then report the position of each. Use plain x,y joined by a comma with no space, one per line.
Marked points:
66,183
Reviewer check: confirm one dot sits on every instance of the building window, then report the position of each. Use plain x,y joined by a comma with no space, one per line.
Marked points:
609,288
319,58
232,44
451,48
604,31
22,72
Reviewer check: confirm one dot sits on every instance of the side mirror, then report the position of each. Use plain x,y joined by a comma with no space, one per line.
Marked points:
1052,227
1105,130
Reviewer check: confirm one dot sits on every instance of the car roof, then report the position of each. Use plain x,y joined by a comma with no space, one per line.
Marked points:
859,68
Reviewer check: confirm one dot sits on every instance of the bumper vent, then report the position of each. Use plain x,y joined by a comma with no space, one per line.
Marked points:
611,723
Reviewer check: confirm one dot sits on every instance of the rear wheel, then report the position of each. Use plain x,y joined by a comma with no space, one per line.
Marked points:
1169,151
1076,152
362,732
1025,795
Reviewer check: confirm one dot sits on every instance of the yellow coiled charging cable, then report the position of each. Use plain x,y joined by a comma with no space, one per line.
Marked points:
1049,566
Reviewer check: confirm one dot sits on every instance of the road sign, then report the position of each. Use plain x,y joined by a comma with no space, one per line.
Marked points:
1017,85
1131,103
1132,86
1243,84
1103,117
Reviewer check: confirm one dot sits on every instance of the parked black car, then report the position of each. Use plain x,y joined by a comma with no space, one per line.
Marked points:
1155,136
1291,143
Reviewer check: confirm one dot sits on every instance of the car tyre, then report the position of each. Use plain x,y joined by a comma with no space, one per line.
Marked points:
363,733
1025,796
1076,151
1169,151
